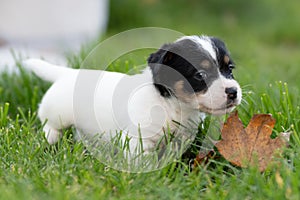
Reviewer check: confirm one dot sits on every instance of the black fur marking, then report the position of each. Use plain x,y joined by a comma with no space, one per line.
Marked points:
181,61
155,60
225,68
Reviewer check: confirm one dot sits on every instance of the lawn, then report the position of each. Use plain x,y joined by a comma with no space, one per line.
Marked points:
264,40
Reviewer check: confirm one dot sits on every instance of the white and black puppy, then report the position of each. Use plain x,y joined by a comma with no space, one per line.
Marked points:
183,80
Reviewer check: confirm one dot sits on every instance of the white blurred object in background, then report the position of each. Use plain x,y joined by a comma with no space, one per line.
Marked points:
48,28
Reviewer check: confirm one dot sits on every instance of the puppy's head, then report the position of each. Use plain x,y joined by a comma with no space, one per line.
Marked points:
197,70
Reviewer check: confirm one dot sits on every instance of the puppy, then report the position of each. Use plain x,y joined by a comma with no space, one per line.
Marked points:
183,81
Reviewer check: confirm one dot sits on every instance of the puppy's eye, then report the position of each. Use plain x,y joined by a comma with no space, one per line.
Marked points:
200,75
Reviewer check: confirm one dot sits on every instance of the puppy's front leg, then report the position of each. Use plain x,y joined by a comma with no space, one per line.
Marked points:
52,135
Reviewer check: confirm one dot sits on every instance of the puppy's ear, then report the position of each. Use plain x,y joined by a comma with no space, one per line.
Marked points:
156,62
160,55
159,58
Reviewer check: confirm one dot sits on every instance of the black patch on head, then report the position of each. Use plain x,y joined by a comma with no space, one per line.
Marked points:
222,52
181,61
155,60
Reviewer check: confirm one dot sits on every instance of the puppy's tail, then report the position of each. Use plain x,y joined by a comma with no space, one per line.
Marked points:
45,70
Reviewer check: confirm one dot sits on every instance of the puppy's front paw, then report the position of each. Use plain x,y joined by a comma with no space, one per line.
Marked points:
52,135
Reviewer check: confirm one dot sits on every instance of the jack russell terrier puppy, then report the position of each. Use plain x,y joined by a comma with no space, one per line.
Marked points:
183,81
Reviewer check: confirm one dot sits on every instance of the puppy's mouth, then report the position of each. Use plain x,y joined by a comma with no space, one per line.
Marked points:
228,107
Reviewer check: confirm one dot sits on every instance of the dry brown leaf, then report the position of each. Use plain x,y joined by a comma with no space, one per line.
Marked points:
251,145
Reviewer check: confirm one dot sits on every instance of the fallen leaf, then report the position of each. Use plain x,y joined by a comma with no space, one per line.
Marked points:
251,145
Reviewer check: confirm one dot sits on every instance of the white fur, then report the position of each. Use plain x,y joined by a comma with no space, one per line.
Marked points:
107,102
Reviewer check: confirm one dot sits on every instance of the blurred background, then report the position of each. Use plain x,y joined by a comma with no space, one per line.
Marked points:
49,28
262,35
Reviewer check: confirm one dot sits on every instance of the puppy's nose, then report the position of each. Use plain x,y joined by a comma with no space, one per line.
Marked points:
231,93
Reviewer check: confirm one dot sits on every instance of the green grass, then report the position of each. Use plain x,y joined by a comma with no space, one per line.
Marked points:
264,41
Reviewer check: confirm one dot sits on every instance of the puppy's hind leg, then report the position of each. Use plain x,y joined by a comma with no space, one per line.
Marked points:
55,110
